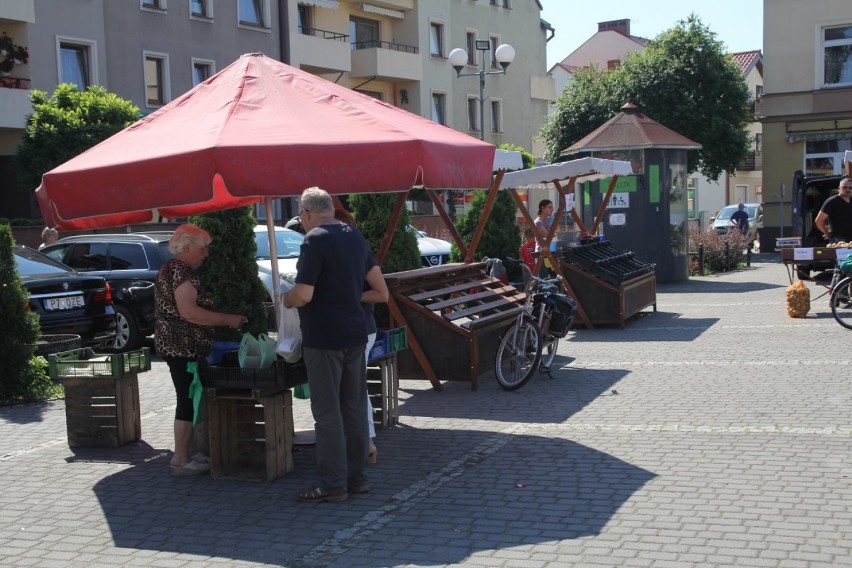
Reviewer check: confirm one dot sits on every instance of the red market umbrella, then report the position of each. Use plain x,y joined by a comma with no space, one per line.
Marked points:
259,128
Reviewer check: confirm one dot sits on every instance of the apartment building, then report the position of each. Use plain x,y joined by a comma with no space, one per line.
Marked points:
151,51
807,101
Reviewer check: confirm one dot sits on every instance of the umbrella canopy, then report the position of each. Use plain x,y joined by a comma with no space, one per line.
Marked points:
259,128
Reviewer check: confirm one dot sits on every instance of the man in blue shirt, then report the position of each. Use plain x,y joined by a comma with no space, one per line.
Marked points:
335,261
740,219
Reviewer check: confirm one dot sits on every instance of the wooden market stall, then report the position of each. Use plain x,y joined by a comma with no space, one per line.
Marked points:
455,313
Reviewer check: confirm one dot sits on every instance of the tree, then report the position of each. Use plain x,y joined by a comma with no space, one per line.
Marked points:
683,80
224,273
66,124
371,212
20,328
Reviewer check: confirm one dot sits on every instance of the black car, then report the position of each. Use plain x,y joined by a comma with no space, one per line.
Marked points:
129,262
66,301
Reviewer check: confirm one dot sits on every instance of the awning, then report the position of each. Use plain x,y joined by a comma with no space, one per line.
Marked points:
586,169
508,160
383,11
818,135
330,4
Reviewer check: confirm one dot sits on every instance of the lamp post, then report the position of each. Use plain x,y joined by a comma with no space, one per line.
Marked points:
504,54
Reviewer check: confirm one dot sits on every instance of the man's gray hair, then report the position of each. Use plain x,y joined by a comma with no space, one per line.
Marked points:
317,200
188,235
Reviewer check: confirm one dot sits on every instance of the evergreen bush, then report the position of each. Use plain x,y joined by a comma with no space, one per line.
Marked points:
371,212
20,329
229,274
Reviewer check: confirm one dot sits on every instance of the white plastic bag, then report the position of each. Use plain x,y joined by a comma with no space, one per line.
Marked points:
289,335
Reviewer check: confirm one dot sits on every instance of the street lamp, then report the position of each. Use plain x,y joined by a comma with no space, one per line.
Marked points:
504,54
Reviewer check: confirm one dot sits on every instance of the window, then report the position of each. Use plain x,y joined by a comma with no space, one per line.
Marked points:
507,4
158,5
758,98
200,9
76,60
202,70
471,48
473,114
127,256
496,117
758,142
88,257
156,75
375,94
837,56
363,33
495,43
436,39
253,13
305,19
439,105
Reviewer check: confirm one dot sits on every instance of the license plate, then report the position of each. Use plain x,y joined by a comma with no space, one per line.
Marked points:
65,303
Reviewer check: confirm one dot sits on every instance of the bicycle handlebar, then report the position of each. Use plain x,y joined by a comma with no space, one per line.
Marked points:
527,270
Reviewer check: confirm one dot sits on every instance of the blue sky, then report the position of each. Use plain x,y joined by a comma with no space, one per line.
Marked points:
737,23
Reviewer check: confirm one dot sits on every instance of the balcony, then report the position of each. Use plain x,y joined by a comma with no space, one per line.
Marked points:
14,104
386,61
753,162
321,51
18,10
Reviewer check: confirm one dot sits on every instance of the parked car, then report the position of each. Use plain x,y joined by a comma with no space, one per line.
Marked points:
129,262
433,252
66,301
288,244
722,221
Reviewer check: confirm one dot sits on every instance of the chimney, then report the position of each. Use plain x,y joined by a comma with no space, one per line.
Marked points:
620,26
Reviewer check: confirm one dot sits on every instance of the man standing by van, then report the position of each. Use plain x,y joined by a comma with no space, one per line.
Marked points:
837,211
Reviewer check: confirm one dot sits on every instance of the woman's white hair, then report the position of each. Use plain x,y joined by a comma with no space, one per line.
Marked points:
188,235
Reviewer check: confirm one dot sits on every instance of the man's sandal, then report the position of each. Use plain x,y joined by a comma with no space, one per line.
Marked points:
320,495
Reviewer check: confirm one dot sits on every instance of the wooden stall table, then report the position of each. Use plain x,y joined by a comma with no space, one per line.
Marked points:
101,395
454,314
383,389
819,256
251,433
250,416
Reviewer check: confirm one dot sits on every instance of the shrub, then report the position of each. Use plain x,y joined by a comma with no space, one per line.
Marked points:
20,328
716,259
229,274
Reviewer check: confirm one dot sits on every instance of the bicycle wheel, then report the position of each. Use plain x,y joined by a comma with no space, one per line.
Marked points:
518,355
841,302
548,353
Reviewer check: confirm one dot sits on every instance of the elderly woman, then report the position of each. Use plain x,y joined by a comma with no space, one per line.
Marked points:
183,332
48,237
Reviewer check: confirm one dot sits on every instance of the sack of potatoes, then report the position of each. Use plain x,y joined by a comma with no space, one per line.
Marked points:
798,300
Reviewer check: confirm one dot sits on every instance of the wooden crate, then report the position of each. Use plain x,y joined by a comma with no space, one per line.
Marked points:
383,388
251,434
102,412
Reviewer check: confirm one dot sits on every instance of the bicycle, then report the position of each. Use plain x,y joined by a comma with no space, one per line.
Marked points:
841,297
546,317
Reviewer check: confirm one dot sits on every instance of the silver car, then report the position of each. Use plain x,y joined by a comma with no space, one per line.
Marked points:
722,221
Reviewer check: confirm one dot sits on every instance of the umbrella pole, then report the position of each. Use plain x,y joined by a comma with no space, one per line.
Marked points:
273,260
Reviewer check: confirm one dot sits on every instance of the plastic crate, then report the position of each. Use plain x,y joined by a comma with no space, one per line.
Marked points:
86,363
389,341
381,347
281,375
398,339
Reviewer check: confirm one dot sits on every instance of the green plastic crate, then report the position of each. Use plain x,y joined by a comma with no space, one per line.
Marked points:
86,363
398,338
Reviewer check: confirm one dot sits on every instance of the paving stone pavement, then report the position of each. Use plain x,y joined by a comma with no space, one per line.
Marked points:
713,432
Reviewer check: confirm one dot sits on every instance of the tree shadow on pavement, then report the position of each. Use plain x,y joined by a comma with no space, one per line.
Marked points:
27,413
438,496
656,326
